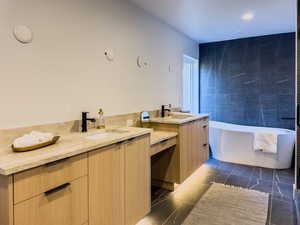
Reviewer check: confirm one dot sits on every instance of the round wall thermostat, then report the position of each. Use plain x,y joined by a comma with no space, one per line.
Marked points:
23,34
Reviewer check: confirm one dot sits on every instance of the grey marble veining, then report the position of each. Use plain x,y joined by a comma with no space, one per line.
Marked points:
249,81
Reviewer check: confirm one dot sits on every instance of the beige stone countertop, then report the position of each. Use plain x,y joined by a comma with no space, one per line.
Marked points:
69,145
178,118
159,136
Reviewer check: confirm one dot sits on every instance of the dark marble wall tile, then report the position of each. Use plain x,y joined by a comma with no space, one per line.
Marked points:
249,81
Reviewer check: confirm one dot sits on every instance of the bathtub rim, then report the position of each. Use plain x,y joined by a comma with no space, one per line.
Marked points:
287,131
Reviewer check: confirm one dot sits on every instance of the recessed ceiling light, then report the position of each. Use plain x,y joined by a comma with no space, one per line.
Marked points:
248,16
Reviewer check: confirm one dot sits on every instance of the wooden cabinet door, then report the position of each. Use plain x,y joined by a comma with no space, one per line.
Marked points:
184,146
137,179
204,140
65,205
106,186
191,147
196,143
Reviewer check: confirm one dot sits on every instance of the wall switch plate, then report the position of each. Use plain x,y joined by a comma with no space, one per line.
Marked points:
129,123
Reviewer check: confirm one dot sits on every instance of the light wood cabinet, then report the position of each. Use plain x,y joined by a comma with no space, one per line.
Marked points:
119,183
6,200
204,140
196,155
200,145
190,153
65,205
137,180
185,149
194,146
106,186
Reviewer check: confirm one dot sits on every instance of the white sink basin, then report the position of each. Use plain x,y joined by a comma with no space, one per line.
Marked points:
179,117
106,133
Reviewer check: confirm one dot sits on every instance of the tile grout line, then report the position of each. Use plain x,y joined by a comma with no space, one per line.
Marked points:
260,174
169,216
271,199
270,213
250,179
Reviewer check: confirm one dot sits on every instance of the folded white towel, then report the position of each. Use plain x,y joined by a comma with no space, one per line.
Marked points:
265,142
33,138
42,137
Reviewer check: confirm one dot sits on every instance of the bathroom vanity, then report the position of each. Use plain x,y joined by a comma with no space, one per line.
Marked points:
190,152
99,177
106,181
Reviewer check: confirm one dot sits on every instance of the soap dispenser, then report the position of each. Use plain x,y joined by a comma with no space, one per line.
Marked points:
100,122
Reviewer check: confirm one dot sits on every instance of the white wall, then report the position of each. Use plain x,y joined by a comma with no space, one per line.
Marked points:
64,71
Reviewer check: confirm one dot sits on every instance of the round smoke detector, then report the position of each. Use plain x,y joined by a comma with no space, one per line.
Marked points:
23,34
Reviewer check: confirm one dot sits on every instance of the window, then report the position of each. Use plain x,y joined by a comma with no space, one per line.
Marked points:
190,88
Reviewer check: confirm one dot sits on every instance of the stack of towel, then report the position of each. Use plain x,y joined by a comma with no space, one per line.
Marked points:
265,142
33,138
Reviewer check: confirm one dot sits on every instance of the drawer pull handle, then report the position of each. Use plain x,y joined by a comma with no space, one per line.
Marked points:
205,126
54,190
131,139
204,145
56,162
164,142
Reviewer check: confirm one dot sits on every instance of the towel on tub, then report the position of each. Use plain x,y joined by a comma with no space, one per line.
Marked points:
265,142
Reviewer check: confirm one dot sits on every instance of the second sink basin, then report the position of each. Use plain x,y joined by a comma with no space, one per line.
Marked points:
179,117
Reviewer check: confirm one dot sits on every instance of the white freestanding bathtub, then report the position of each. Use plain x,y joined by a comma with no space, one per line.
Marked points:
234,143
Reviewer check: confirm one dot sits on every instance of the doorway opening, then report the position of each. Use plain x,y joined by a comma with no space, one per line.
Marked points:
190,87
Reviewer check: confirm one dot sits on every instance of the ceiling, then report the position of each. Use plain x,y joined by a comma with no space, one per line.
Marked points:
218,20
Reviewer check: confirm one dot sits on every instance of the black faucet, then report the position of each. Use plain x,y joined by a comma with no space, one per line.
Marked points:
84,121
163,110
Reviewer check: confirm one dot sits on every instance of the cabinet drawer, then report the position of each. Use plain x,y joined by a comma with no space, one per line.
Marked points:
41,179
65,205
162,146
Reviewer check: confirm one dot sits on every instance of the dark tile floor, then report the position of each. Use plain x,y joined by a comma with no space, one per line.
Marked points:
173,207
297,204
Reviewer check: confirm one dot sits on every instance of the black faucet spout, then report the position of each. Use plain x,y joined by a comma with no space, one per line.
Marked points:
163,110
85,119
